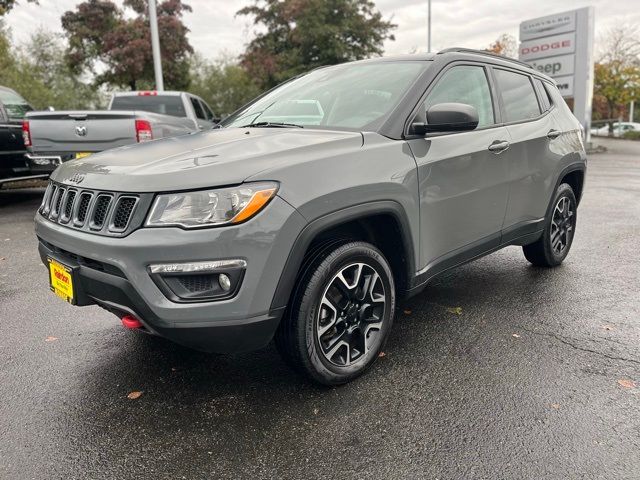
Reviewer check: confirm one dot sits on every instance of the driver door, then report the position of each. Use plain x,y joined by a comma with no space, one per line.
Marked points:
463,177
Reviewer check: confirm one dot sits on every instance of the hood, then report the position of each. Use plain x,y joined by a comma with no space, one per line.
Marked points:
201,160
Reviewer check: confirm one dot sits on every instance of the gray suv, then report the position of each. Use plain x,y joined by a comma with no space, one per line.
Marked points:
317,205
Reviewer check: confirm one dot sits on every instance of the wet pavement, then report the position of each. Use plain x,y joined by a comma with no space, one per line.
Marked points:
497,370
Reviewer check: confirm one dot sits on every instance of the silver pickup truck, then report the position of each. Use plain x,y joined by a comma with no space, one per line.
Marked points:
132,117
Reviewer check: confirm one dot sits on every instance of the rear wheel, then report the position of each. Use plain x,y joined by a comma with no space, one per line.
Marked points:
554,244
340,314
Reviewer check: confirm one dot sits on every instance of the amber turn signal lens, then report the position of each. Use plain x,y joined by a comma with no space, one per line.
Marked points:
257,202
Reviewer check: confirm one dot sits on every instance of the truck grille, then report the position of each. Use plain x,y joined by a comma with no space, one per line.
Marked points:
93,211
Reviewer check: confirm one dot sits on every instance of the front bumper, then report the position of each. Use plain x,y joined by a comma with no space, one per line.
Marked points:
113,273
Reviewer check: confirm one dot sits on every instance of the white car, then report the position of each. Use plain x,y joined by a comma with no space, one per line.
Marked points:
619,128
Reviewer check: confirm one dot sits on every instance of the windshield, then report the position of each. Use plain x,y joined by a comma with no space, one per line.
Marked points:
165,104
350,96
14,104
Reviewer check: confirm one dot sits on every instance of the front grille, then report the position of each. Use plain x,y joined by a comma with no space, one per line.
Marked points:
83,207
68,206
99,212
123,212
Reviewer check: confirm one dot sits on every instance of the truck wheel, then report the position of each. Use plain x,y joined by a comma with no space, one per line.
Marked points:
340,314
554,245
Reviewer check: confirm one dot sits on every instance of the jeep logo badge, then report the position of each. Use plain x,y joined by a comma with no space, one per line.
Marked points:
81,131
76,178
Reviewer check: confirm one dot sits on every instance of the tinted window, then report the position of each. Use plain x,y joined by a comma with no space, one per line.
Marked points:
197,108
165,104
519,98
351,96
207,111
464,84
543,94
15,106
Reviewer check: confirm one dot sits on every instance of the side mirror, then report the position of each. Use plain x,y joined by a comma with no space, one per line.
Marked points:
448,117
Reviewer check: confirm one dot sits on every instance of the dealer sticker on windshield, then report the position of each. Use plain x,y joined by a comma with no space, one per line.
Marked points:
61,280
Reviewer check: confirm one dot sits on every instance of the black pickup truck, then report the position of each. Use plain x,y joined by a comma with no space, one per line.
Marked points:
13,163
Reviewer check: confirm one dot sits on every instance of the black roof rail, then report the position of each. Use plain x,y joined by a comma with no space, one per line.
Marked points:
483,52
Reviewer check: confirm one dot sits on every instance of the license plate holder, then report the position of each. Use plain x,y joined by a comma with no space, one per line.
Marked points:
61,281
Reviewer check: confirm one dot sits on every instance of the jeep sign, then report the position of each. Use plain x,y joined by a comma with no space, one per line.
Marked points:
555,66
561,46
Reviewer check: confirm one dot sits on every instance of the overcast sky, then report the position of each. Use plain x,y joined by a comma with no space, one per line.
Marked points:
215,30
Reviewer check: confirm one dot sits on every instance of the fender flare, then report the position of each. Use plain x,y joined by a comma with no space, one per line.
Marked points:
316,227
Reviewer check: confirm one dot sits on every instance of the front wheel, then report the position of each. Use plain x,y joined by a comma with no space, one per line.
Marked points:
554,245
340,314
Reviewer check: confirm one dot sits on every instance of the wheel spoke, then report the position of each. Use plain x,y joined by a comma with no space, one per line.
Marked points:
327,304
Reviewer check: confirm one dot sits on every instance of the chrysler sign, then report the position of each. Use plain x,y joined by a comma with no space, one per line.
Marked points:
561,46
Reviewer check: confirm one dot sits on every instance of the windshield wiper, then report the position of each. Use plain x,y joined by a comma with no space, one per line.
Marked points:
273,125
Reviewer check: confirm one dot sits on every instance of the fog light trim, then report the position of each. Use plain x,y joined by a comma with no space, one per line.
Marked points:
210,266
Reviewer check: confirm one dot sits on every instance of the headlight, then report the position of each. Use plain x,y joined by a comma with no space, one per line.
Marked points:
207,208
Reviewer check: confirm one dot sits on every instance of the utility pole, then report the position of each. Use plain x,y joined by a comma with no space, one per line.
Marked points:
631,110
155,45
429,27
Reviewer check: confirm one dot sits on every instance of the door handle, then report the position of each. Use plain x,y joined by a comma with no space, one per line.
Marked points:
553,134
499,146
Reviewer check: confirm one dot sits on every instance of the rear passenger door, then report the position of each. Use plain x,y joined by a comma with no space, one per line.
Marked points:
533,133
463,183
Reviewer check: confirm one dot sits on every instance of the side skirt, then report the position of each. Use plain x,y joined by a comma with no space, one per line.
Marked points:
520,234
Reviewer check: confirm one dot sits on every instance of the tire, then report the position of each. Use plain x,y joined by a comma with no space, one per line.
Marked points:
553,246
340,314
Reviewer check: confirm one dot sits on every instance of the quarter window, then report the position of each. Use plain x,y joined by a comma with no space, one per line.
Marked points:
518,97
545,101
464,84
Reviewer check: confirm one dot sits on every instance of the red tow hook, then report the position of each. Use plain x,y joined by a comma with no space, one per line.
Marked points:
131,322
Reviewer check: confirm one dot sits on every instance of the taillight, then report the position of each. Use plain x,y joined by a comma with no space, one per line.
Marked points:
143,131
26,133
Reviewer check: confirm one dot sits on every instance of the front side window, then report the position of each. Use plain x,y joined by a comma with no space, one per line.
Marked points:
518,97
349,96
197,108
15,106
464,84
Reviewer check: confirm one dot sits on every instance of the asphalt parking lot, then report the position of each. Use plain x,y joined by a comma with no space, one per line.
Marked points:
498,370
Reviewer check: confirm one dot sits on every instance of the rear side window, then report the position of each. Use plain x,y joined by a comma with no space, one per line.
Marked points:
165,104
518,97
14,104
197,108
464,84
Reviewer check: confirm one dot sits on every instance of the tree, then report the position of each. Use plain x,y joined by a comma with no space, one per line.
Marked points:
617,71
504,45
224,84
304,34
38,72
116,47
6,5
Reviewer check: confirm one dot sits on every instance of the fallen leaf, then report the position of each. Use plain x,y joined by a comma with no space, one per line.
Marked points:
3,258
625,383
456,310
608,327
516,335
174,369
50,339
315,411
555,405
134,395
382,354
407,312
